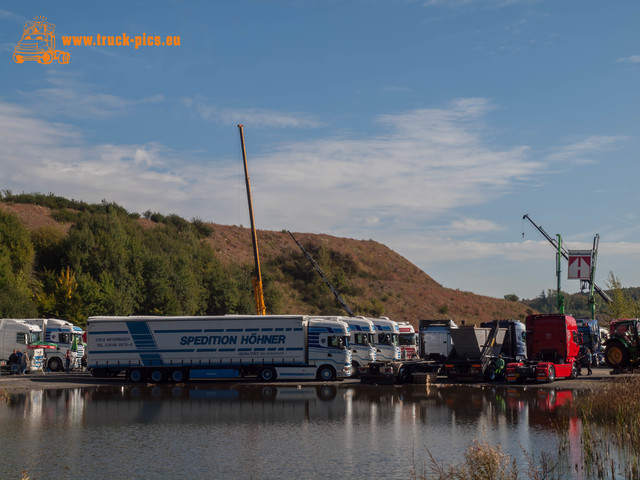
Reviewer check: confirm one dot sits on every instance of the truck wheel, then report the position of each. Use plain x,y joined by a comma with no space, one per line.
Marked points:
55,364
178,376
326,373
157,375
551,376
136,375
574,371
267,374
616,355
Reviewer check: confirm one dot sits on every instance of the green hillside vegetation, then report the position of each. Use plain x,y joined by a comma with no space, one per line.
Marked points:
69,259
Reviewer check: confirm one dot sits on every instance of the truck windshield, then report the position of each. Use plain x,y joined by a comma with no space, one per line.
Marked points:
34,337
64,338
388,339
407,339
361,339
338,342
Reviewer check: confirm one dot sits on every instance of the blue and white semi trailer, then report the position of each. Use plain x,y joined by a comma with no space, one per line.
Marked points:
387,339
151,348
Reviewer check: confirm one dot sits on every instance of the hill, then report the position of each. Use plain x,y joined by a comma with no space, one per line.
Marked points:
372,278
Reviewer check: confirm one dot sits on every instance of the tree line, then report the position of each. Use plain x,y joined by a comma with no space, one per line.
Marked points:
108,263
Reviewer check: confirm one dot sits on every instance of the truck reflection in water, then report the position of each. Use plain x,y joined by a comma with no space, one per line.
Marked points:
215,422
290,403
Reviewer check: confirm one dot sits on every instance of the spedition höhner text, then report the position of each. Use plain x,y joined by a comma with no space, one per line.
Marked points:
233,340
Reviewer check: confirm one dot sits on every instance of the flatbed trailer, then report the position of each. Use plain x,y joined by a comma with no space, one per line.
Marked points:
389,373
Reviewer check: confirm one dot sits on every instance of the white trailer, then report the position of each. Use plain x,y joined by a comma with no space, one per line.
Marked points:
387,339
435,339
66,336
16,334
181,348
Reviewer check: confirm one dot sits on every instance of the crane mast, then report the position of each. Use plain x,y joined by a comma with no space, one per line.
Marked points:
257,280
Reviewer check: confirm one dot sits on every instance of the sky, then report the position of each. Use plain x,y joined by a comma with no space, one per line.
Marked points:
430,126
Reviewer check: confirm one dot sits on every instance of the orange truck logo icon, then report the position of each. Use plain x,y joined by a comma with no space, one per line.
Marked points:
38,43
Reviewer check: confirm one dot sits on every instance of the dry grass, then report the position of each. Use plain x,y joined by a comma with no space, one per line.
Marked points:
483,461
5,396
611,430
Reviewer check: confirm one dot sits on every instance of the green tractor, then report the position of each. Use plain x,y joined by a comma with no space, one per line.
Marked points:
621,349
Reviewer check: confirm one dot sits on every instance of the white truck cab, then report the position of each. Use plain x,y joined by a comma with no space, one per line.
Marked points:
16,334
362,341
66,336
387,339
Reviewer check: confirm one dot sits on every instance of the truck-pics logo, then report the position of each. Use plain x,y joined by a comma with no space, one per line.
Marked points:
38,43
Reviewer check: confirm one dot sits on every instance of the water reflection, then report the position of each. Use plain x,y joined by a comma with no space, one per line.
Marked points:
252,430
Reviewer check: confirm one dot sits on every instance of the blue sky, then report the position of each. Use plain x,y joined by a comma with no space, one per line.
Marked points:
430,126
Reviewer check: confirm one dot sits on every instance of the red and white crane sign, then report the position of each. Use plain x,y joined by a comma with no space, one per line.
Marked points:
579,265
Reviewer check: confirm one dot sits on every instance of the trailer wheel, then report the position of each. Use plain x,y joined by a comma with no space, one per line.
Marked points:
55,364
267,374
136,375
552,374
326,373
178,375
616,355
157,375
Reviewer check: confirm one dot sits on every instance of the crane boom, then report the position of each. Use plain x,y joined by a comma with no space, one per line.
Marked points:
257,281
565,254
324,277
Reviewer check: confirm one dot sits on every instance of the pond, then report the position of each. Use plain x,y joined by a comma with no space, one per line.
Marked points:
267,432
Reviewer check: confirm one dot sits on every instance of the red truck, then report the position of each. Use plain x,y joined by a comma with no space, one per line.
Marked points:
552,347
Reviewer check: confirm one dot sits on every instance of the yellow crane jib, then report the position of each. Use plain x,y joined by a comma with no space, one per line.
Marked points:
257,281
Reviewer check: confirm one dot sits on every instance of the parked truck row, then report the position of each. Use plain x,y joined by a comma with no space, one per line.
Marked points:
299,347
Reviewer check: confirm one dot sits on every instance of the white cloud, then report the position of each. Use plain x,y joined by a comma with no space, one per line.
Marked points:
463,3
473,225
400,187
68,96
251,116
579,152
630,59
427,162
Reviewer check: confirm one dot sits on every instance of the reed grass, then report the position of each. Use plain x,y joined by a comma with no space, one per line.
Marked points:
609,442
